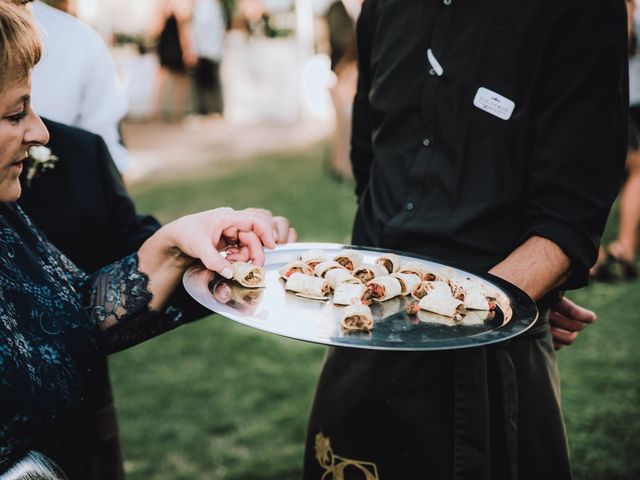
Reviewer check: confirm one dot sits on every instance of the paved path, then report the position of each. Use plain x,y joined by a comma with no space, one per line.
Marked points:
161,150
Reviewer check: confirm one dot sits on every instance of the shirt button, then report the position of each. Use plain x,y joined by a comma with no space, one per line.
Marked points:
447,2
432,72
409,206
426,142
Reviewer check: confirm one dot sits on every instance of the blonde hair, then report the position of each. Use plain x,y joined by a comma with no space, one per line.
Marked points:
20,46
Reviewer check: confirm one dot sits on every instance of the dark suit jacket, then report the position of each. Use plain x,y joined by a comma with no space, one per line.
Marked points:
82,205
84,209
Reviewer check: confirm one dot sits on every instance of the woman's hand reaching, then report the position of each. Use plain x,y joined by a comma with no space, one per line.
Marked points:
242,234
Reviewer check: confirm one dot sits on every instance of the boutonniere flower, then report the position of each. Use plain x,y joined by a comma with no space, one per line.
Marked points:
40,160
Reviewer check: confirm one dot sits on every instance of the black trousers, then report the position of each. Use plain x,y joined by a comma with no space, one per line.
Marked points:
473,414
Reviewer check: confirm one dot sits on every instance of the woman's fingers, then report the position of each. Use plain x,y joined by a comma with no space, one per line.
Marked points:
244,222
239,255
212,259
253,244
292,235
281,229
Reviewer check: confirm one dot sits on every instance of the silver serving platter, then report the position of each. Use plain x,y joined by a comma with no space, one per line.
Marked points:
275,310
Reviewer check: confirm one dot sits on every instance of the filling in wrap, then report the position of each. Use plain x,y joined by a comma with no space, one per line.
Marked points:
248,275
384,288
390,261
349,259
357,318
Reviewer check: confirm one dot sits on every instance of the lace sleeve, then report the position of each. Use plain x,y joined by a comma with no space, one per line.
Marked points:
117,292
117,299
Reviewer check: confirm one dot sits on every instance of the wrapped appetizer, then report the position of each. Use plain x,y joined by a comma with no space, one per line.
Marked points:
442,304
390,261
414,268
293,267
383,288
367,272
349,259
350,293
408,282
248,275
312,257
309,287
336,276
428,286
357,318
321,269
475,294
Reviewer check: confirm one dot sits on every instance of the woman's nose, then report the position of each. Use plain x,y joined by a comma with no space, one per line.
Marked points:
37,133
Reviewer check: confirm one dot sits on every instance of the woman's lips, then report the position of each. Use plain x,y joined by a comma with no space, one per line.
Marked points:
19,163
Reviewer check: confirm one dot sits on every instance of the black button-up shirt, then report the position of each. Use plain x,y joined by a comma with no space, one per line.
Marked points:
479,123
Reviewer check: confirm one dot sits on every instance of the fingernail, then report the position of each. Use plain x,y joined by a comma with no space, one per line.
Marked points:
227,273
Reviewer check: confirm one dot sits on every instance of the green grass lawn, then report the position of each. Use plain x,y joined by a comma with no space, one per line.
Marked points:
217,400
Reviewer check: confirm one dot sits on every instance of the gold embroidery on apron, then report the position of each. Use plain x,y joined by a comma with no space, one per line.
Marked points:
335,465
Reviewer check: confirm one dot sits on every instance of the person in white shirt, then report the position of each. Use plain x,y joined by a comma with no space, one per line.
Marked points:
76,82
208,41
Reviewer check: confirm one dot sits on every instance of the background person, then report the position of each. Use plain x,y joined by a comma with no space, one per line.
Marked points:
76,82
175,55
209,27
617,261
342,43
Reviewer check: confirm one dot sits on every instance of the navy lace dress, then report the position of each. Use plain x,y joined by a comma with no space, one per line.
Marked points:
55,321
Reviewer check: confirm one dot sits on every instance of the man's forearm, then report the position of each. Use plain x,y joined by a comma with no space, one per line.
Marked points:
537,266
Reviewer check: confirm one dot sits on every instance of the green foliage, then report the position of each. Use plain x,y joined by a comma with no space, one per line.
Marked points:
217,400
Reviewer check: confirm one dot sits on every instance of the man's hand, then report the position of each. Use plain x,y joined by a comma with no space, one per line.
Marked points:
567,319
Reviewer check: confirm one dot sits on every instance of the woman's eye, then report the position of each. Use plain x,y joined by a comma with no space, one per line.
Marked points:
16,118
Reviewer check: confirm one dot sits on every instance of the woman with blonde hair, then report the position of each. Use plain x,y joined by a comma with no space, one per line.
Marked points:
56,320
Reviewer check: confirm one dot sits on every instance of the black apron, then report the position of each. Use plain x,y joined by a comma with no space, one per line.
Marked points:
471,414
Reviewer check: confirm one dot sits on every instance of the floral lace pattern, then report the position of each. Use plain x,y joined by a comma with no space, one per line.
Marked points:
54,322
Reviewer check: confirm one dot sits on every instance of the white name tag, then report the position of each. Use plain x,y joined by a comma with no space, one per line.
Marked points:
494,103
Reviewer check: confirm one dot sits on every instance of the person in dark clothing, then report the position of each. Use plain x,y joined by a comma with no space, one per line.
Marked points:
489,135
176,57
169,47
81,204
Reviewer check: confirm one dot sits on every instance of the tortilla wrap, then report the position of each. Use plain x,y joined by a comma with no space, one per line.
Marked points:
248,275
349,259
442,304
312,257
384,288
427,286
322,268
367,272
349,293
357,317
408,282
298,266
414,268
478,295
336,276
390,261
308,285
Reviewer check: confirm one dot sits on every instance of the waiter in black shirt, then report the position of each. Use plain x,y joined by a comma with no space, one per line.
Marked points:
490,134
